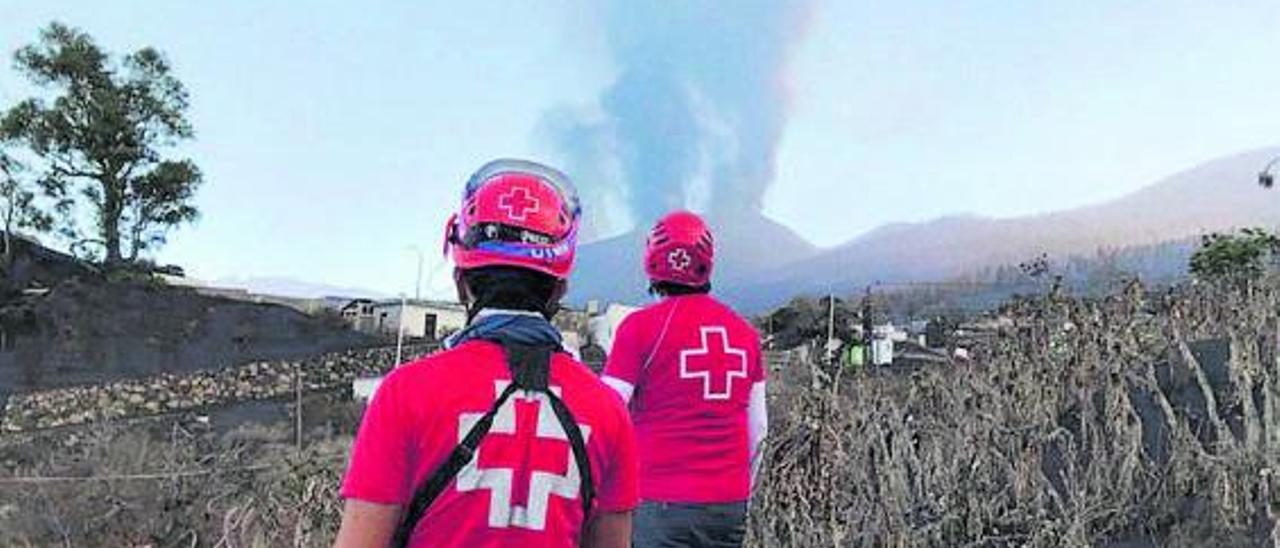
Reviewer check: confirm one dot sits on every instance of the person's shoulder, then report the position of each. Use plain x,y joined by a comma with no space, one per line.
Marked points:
648,311
443,362
731,316
587,387
575,374
643,318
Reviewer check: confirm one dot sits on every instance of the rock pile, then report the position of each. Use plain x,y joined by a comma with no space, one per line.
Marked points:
168,393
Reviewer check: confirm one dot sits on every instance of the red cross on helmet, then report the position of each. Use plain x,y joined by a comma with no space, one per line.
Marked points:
680,250
516,213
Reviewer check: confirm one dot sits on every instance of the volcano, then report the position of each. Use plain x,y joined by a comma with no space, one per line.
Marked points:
748,245
761,263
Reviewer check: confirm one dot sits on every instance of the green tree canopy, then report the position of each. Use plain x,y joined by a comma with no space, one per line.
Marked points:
18,207
99,134
1235,257
804,319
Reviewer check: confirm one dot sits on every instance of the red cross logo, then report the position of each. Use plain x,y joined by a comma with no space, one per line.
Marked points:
523,460
716,364
679,259
518,203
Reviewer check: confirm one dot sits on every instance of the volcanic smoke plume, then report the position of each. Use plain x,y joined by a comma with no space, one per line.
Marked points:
695,114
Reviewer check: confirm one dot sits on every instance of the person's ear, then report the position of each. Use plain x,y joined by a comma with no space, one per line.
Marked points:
464,292
558,292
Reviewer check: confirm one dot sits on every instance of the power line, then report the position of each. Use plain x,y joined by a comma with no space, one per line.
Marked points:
134,477
153,475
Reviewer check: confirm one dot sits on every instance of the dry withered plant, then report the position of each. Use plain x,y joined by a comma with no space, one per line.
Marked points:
114,486
1134,420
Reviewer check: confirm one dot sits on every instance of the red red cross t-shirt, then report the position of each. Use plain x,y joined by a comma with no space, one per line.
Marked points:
693,363
523,488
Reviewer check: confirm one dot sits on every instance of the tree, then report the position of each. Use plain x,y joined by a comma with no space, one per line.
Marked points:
1035,268
1235,257
805,319
100,137
18,207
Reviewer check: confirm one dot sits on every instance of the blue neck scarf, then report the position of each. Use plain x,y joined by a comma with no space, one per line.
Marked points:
504,326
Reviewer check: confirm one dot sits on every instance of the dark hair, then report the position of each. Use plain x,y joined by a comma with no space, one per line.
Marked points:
667,289
511,288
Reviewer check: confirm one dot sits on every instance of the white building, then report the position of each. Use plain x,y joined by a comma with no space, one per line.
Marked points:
363,389
571,343
883,338
359,315
422,319
605,325
881,351
890,331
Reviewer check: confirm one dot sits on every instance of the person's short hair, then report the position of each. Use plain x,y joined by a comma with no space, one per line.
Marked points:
511,288
668,289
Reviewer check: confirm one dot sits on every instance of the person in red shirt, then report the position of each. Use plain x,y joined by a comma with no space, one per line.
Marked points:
692,372
503,439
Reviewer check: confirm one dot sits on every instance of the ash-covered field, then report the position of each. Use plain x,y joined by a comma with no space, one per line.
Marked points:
1136,420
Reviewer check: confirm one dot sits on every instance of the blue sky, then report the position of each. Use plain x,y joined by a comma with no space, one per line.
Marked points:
335,135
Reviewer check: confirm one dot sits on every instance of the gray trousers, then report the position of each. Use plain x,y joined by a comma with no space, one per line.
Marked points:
679,525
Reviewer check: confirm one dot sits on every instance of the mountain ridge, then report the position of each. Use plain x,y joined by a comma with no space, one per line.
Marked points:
764,263
1217,195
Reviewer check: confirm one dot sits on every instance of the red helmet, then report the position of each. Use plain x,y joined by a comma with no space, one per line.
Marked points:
680,250
516,213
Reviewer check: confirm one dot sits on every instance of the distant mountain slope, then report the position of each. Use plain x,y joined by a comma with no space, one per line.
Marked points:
762,263
749,245
289,287
1219,195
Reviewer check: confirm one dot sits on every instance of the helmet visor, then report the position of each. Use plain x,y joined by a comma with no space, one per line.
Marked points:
568,193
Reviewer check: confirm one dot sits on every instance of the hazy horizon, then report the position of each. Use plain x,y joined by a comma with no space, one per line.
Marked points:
336,136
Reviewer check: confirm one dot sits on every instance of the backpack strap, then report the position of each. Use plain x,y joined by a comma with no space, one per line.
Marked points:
444,475
579,447
530,371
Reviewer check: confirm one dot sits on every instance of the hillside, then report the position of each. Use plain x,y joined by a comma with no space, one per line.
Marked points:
81,328
1218,195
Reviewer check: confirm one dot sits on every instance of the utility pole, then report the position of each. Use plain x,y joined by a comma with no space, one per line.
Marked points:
770,338
400,332
832,350
297,408
417,284
867,326
831,317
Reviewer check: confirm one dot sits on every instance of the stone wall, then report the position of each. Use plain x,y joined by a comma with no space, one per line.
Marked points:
168,393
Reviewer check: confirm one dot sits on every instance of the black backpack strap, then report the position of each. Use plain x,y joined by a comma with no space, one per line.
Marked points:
440,479
579,446
530,370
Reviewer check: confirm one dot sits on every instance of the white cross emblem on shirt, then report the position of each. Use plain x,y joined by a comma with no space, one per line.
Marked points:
503,511
716,365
